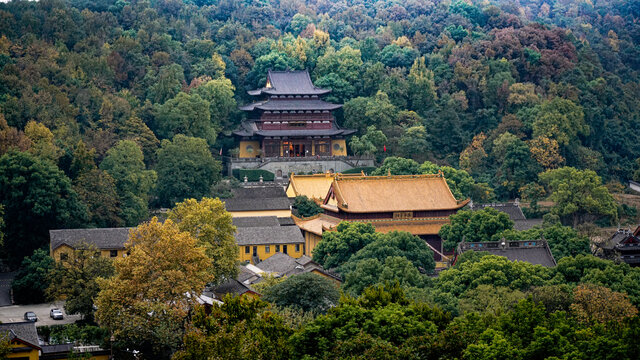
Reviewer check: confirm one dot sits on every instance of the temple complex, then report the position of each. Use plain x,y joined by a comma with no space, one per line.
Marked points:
290,124
418,204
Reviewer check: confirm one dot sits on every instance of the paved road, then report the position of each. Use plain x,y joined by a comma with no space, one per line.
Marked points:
15,313
5,288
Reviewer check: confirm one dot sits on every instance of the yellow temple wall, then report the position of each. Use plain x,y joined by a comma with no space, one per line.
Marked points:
244,153
343,147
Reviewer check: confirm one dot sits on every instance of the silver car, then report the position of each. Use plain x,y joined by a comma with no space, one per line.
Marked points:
56,314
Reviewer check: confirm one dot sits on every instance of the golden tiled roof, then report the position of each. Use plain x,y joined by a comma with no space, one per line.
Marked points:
315,186
416,226
316,224
393,193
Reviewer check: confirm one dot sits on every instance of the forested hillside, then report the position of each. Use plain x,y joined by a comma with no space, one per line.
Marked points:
94,93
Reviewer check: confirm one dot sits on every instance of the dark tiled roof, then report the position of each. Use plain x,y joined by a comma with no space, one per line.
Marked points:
231,286
256,221
290,83
512,209
286,221
25,331
265,235
535,252
305,132
103,238
526,224
286,265
278,262
249,128
258,198
291,105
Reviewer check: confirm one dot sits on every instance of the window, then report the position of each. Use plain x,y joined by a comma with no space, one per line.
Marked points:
267,249
298,124
297,247
247,249
64,256
322,148
277,248
113,253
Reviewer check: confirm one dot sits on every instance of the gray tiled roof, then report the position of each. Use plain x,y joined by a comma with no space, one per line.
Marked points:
231,286
249,128
265,235
256,221
535,252
291,105
512,209
526,224
258,198
286,221
25,331
102,238
286,265
290,83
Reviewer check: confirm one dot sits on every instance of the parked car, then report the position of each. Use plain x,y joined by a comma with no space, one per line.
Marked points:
30,316
56,314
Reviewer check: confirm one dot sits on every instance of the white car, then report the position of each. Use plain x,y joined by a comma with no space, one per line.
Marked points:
56,314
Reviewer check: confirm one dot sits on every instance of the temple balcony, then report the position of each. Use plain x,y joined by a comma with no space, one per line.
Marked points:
282,166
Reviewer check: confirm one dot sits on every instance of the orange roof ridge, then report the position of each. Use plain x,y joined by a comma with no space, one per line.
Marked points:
387,177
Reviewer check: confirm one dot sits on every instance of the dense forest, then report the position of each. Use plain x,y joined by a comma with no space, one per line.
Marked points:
110,107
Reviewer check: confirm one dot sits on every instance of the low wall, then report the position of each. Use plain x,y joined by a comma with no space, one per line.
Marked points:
285,166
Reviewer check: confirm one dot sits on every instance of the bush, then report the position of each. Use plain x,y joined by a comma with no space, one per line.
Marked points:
253,174
304,207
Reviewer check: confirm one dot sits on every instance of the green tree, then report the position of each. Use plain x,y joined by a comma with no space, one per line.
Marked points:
422,87
31,281
222,104
124,162
397,166
371,271
145,305
492,270
209,222
166,84
337,246
462,184
307,291
36,197
185,169
473,226
97,190
74,280
414,143
578,195
305,207
299,23
240,328
380,324
559,119
395,243
368,144
187,115
346,63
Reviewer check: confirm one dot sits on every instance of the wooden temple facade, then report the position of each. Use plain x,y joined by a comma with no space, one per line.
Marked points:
418,204
290,120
